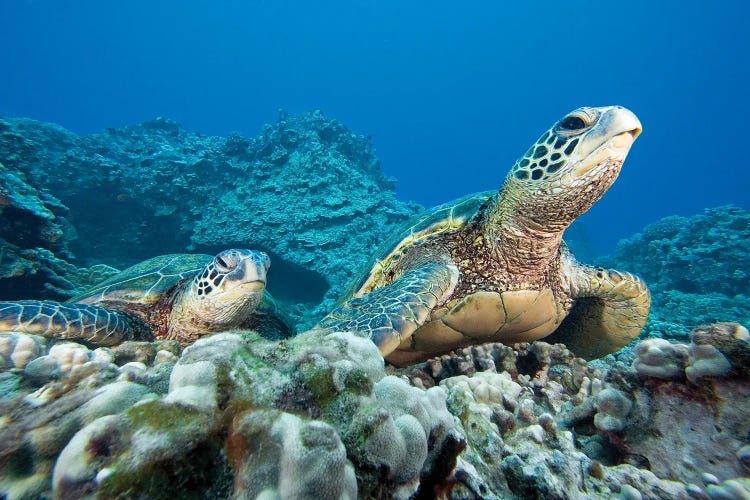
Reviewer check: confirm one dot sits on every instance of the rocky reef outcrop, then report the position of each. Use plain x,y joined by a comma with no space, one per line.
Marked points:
697,268
307,190
321,416
35,259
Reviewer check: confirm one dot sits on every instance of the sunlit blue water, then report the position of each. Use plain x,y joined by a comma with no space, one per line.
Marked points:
451,92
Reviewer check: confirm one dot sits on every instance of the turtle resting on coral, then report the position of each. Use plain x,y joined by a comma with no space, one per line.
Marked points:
178,296
493,267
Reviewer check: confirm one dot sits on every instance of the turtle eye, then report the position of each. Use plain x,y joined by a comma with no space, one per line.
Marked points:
573,122
222,264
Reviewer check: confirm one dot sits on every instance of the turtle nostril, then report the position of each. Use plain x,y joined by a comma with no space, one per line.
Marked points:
264,259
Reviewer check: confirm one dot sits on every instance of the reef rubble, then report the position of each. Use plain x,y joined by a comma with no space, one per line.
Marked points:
322,416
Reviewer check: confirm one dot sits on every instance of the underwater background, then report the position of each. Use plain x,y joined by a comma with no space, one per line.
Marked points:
313,131
450,93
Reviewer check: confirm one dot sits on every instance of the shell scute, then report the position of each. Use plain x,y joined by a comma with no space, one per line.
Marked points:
428,226
478,315
146,282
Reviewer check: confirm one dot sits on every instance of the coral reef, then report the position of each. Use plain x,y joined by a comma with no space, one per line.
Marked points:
696,267
300,191
315,417
708,252
321,416
559,428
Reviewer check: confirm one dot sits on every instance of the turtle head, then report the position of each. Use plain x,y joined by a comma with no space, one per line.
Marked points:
228,289
572,165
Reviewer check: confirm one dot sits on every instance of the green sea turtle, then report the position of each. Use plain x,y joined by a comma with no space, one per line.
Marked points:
177,296
493,266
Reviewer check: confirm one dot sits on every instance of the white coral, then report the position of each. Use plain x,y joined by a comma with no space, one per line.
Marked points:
486,387
613,408
75,464
70,356
706,361
660,358
103,356
18,349
313,460
194,384
400,441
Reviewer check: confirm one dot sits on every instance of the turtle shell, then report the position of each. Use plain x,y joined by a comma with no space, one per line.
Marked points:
442,219
145,283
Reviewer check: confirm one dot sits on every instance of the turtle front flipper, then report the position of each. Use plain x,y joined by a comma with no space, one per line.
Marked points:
390,314
610,309
78,322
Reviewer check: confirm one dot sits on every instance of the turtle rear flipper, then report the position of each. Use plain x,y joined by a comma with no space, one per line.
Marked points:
390,314
79,322
610,310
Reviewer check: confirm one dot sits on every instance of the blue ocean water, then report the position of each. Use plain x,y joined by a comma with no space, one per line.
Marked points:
451,93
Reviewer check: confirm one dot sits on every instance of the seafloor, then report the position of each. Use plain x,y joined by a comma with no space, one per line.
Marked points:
322,416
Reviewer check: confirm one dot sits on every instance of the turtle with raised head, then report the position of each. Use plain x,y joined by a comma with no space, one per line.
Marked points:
492,267
177,296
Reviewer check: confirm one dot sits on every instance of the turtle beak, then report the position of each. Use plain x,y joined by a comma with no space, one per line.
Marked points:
620,144
254,272
249,275
611,138
625,128
252,282
253,286
636,131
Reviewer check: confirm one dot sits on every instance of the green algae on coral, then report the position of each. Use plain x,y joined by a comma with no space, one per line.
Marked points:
167,417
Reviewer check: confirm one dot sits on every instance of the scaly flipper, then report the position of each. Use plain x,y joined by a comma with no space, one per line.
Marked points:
78,322
390,314
610,310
